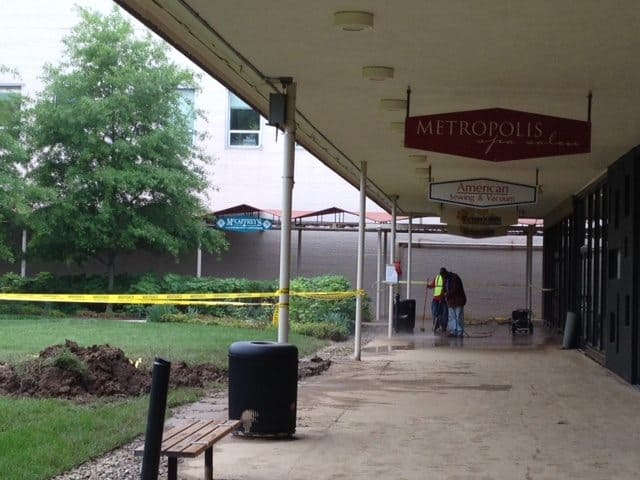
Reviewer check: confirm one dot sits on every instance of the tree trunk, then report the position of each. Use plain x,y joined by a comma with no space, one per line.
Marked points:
111,273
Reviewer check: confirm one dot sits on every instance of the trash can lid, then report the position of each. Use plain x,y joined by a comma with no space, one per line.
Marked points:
262,348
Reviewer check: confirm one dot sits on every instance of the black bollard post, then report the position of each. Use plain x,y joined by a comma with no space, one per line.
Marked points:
155,419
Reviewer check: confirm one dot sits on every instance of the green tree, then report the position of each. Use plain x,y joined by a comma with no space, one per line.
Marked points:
112,143
13,160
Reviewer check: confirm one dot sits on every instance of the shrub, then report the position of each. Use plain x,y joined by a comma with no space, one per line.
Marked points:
12,282
324,330
155,313
31,309
311,310
338,314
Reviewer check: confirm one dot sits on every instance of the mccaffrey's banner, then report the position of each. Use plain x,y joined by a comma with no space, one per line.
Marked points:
243,224
497,134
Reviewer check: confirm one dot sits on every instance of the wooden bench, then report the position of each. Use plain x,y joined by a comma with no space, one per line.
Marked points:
190,440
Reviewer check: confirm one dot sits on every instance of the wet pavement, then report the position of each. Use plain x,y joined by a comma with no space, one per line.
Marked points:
487,335
489,406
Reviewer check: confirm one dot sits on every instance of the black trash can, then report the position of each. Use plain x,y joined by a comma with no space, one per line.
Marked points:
404,315
263,387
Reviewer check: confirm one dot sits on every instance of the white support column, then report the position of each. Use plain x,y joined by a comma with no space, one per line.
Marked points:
392,258
409,257
199,262
23,262
529,268
285,228
385,255
360,263
379,260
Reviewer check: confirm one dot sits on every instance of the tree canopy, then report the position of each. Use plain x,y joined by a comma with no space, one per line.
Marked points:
113,145
13,159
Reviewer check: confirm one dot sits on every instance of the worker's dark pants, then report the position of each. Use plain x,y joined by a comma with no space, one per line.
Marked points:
440,314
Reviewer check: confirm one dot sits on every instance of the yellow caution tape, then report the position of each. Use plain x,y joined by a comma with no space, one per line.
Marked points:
127,298
171,298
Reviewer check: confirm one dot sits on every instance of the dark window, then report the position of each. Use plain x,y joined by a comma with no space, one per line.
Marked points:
627,195
188,108
10,102
616,208
244,124
626,311
612,327
614,263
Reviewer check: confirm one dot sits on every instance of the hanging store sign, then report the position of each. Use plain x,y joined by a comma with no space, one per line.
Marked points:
243,224
498,134
482,193
477,232
473,218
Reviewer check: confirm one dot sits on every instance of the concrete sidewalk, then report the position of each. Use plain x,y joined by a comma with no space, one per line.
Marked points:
419,406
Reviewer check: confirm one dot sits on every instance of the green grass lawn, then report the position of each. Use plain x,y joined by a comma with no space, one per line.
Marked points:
40,438
22,337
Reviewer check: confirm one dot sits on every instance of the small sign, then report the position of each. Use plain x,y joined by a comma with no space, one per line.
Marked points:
482,193
477,232
243,224
498,134
391,273
478,218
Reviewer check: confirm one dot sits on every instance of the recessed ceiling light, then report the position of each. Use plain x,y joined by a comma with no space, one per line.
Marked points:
351,21
377,73
393,104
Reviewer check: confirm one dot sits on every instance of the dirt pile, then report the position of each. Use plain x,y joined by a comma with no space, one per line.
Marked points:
314,366
72,371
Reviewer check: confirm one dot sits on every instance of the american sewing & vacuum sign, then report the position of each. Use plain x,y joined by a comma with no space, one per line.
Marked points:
482,193
498,134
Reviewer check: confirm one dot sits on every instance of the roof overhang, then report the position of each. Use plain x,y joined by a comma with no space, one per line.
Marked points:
542,57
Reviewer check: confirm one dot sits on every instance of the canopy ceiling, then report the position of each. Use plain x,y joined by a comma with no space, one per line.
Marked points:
542,57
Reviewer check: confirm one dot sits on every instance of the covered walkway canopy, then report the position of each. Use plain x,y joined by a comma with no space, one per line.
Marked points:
538,99
542,57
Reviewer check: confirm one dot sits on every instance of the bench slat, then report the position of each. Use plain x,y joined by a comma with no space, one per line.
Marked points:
191,439
210,438
170,445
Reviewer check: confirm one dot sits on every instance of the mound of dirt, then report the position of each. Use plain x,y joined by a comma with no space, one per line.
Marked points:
314,366
72,371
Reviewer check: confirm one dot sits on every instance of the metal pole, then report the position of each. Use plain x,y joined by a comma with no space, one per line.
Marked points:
529,268
285,228
155,419
360,265
409,258
385,254
392,255
23,262
379,275
199,262
299,252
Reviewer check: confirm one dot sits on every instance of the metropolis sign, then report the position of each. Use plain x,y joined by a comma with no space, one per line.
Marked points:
482,193
498,134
